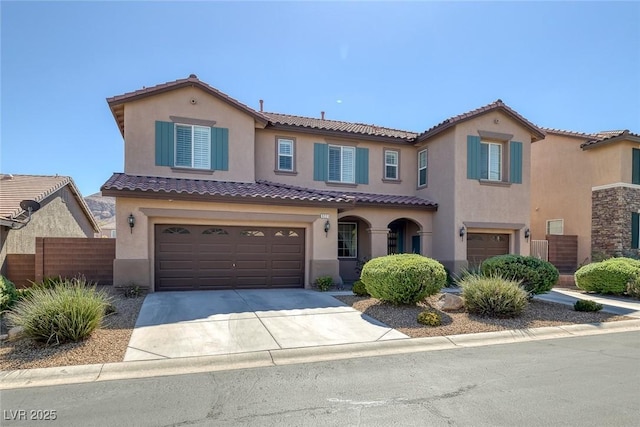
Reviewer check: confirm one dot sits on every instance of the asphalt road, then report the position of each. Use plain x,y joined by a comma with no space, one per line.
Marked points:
581,381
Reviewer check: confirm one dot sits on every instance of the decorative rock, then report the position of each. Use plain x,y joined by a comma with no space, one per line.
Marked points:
15,333
3,337
450,302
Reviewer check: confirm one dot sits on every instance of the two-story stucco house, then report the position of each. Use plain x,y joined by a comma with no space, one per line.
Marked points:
215,194
588,185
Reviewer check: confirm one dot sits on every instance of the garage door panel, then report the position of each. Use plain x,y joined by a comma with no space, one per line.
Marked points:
481,246
221,257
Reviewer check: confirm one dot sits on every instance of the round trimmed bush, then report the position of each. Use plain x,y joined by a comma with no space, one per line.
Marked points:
430,318
535,275
359,289
493,296
403,278
8,293
587,305
633,287
610,276
67,312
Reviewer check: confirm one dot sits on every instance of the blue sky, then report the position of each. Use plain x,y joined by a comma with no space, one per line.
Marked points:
568,65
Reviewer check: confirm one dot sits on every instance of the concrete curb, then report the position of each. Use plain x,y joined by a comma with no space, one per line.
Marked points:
24,378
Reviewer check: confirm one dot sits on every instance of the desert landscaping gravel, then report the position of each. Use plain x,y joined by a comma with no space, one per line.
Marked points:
537,315
109,343
106,344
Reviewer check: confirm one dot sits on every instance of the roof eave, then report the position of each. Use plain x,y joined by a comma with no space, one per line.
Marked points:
340,134
624,137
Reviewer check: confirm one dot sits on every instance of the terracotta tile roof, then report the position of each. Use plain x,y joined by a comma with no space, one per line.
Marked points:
243,191
569,133
15,188
340,126
607,137
116,102
497,105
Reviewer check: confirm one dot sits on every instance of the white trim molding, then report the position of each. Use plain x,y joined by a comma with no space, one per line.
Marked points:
616,185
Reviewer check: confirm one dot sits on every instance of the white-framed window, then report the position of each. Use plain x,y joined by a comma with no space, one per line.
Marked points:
113,234
347,240
490,161
285,155
391,164
555,226
193,146
422,168
342,164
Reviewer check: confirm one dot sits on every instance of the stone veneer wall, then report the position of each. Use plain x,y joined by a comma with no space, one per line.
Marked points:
611,220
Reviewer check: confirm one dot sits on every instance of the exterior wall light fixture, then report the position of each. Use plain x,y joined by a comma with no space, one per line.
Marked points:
462,232
527,234
132,222
327,227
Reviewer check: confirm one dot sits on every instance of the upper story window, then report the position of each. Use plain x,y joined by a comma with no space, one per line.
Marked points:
193,146
635,166
496,159
285,155
391,162
490,161
422,168
342,164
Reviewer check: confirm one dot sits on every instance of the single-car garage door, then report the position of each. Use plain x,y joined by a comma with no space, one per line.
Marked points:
481,246
189,257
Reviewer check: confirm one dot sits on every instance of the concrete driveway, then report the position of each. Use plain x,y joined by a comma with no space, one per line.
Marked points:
205,323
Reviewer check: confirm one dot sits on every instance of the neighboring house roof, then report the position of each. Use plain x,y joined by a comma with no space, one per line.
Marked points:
360,129
116,103
119,184
498,105
608,137
15,188
569,133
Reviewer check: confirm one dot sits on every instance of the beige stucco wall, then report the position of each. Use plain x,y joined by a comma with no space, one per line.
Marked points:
462,201
140,117
564,175
134,261
59,216
304,143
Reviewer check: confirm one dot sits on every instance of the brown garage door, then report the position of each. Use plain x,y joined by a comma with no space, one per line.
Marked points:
481,246
189,257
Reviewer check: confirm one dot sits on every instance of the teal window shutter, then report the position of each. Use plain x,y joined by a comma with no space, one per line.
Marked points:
320,161
164,143
635,170
220,149
362,165
473,157
515,162
635,230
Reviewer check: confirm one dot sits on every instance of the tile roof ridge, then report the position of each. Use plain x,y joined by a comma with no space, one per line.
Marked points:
341,121
569,132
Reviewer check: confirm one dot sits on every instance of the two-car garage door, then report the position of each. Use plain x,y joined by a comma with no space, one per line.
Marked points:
191,257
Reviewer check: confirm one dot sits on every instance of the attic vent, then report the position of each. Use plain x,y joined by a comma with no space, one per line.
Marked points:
193,76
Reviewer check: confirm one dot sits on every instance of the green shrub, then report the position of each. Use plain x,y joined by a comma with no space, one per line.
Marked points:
132,291
610,276
430,318
535,275
8,293
633,287
493,296
70,311
360,289
403,278
586,305
324,283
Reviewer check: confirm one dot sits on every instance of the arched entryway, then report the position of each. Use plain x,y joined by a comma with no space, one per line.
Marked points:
354,246
403,237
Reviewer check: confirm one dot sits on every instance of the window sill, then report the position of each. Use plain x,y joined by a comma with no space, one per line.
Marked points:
192,170
391,181
290,173
341,184
494,183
